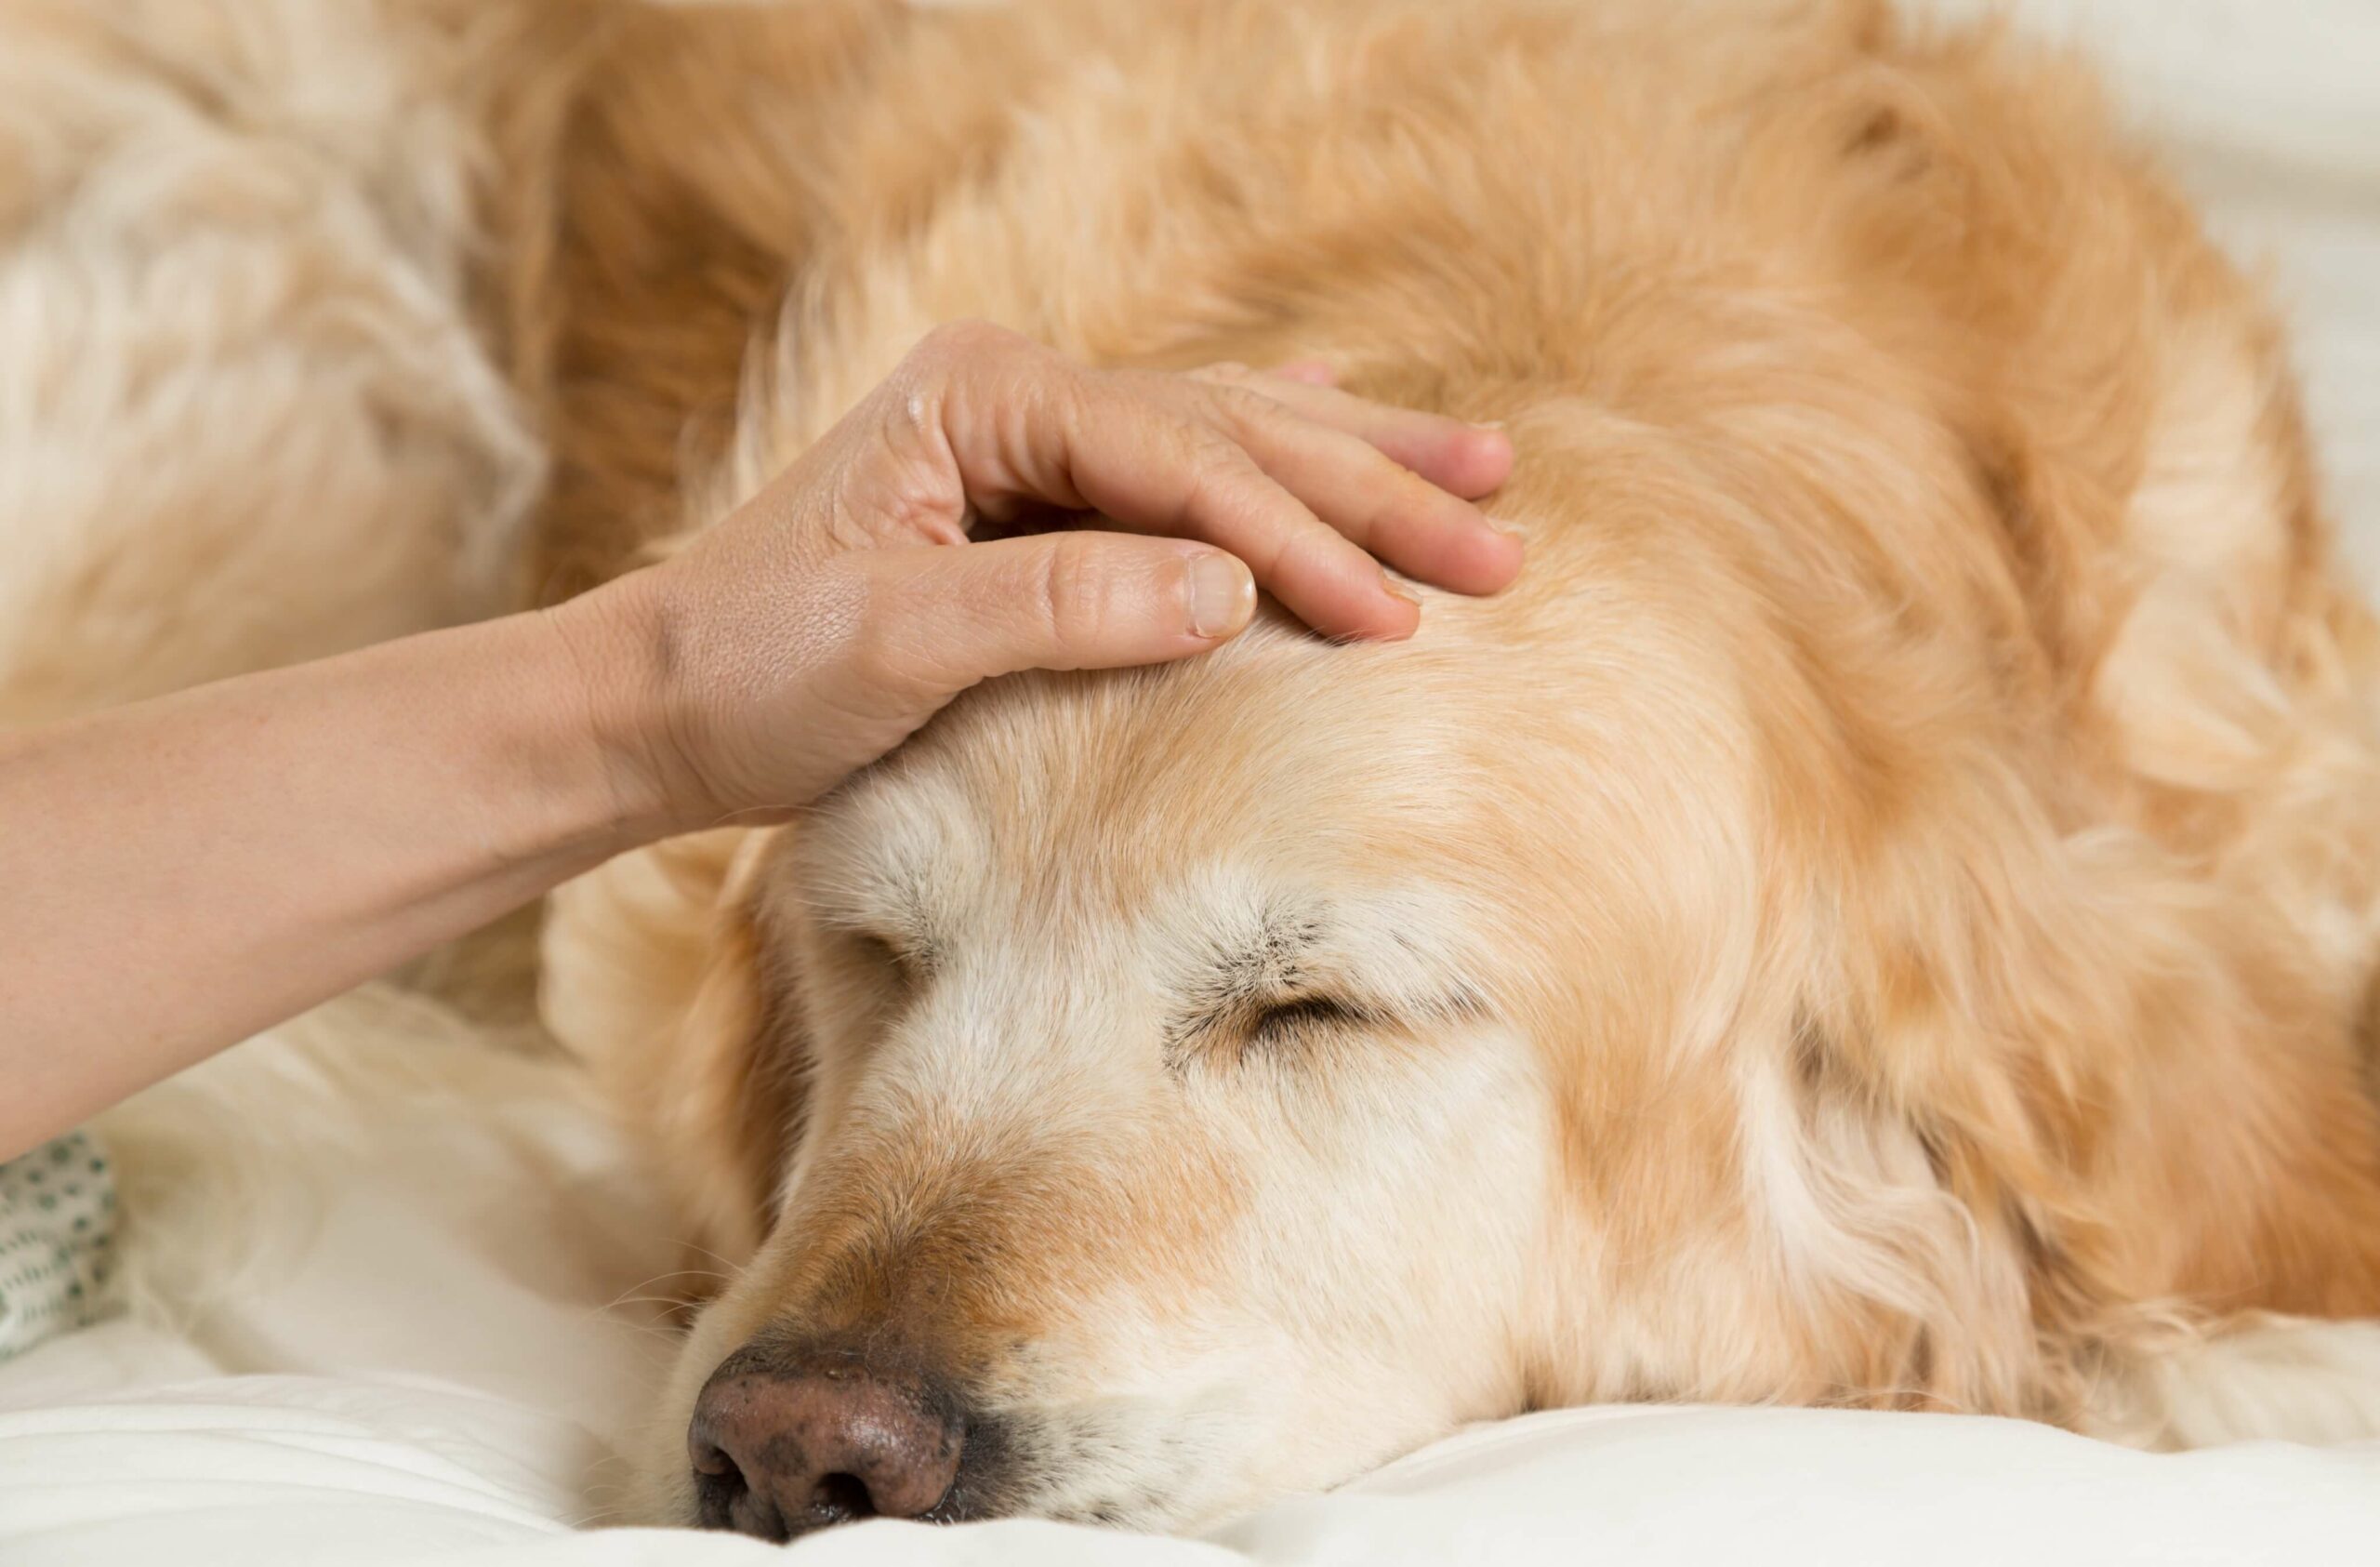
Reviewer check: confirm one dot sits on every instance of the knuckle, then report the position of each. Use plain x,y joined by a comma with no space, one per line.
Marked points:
1240,401
1241,411
993,378
966,341
1213,472
883,652
1073,594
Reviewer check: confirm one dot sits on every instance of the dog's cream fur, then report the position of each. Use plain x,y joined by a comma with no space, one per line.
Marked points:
251,411
1883,914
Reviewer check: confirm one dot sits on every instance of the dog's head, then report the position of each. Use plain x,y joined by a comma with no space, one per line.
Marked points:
1148,1092
1165,1079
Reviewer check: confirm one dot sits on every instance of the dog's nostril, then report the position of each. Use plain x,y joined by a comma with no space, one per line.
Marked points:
710,1460
842,1499
722,1497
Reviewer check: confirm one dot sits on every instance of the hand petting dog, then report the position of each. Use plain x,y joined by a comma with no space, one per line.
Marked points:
267,841
824,623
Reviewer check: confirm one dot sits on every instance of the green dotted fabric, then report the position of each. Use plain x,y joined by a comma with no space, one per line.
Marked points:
57,1234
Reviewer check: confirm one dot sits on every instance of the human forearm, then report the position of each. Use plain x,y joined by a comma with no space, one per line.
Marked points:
182,874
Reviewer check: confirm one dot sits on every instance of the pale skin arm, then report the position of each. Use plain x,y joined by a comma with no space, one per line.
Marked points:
183,872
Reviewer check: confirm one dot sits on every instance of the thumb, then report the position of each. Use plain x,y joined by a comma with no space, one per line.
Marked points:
951,616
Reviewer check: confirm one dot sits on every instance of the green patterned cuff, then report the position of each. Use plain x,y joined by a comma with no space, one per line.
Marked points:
57,1236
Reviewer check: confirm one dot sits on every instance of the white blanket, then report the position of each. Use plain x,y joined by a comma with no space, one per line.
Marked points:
420,1342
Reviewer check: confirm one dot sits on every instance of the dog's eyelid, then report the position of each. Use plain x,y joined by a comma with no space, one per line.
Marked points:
1291,1012
1286,1014
897,952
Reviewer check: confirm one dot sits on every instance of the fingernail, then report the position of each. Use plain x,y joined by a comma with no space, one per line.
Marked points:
1222,594
1510,530
1488,424
1397,590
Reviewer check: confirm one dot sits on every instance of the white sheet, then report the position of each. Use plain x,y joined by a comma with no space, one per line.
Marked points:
438,1369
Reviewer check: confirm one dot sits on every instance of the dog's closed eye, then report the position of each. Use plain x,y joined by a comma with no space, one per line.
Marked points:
1244,1025
1287,1019
905,962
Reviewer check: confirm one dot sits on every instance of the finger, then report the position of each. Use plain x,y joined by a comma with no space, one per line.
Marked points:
1023,427
1470,460
1371,500
1313,372
945,619
1140,452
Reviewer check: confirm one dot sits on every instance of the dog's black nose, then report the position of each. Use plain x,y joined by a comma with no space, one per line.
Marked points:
783,1446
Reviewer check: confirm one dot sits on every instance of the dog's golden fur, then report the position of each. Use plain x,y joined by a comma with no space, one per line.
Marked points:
1917,816
1883,914
1916,821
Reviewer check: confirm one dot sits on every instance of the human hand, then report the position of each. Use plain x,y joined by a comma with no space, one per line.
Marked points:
824,620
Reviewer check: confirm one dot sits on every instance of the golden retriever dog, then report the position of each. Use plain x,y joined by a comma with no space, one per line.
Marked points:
1883,913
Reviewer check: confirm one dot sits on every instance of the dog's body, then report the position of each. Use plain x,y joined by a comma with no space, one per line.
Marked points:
1883,914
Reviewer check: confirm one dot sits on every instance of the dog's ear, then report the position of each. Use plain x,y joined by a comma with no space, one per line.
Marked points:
2143,1106
2097,944
655,975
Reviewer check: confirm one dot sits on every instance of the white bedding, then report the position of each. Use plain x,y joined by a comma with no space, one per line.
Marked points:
422,1339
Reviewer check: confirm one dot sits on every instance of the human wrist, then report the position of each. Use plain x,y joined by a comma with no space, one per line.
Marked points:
613,652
